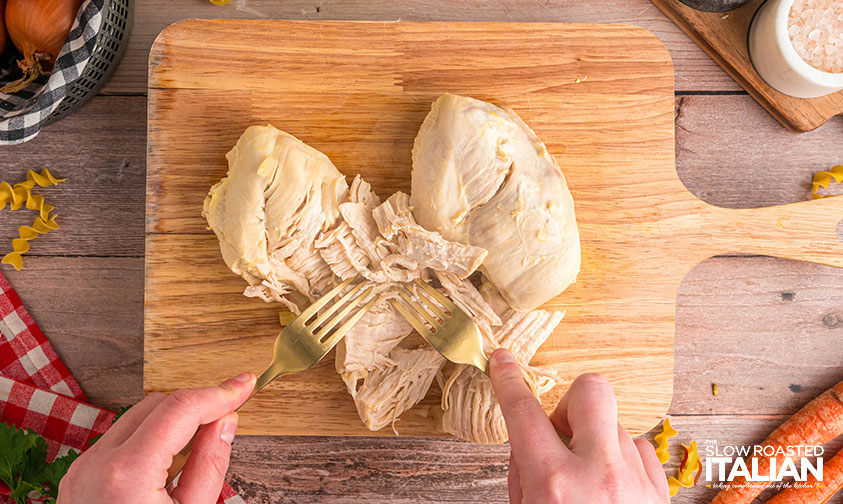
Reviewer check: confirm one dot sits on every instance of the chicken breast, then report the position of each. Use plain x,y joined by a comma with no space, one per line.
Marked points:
482,177
279,194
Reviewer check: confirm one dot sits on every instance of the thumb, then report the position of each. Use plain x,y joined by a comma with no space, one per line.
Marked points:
204,473
532,437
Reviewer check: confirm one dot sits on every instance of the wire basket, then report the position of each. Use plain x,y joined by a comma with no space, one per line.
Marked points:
112,39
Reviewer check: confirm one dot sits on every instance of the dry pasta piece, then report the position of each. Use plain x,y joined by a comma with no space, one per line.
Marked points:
661,439
823,179
286,317
687,469
21,193
21,245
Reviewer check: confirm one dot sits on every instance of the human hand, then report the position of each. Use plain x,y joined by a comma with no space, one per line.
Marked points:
129,462
601,465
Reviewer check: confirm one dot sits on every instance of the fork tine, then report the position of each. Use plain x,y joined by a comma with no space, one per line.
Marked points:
348,324
336,306
345,311
418,308
431,304
417,324
437,296
319,303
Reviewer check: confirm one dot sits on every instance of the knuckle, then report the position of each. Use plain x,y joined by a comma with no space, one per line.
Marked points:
611,480
593,378
553,491
115,474
505,372
184,399
522,405
592,381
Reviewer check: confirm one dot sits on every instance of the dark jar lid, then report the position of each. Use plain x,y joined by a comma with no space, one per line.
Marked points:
715,5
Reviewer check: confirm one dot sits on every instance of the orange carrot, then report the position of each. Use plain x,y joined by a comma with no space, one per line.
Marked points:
831,483
820,421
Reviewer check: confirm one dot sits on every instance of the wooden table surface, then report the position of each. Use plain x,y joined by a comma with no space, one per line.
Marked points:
769,332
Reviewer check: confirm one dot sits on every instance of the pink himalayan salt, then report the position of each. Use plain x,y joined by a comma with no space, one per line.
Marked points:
816,32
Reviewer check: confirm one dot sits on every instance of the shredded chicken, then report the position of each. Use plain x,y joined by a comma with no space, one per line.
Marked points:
391,391
366,347
487,196
426,248
471,410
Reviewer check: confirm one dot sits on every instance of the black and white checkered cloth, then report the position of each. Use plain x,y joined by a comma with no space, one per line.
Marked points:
23,114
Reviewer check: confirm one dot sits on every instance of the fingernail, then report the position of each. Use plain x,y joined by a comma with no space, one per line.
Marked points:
229,428
503,356
244,377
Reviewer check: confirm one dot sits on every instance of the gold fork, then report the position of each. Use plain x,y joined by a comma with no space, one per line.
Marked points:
446,327
301,344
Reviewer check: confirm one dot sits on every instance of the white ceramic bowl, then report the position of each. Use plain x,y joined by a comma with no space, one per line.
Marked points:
778,63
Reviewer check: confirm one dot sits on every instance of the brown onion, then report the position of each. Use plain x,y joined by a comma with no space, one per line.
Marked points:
38,28
2,29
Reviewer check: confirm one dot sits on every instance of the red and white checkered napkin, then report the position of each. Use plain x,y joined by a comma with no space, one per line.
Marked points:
38,392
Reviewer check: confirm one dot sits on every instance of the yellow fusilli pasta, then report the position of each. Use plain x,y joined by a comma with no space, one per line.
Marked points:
26,233
823,179
689,467
661,439
20,194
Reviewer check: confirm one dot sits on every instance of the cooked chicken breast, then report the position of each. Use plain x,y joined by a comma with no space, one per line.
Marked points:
279,194
482,177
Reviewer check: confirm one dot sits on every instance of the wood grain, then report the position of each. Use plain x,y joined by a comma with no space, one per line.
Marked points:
695,71
358,91
344,470
101,153
731,153
724,38
772,331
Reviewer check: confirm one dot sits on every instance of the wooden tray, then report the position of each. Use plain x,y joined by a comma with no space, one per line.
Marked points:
723,35
600,96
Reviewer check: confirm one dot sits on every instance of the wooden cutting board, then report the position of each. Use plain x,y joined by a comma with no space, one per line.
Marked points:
600,96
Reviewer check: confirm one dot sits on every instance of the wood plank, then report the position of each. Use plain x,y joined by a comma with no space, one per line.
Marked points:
100,150
319,470
768,334
358,91
724,38
695,71
91,310
730,153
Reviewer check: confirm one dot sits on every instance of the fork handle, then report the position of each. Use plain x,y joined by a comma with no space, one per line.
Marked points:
180,459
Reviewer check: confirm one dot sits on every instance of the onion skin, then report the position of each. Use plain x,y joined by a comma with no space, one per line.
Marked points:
38,28
2,27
